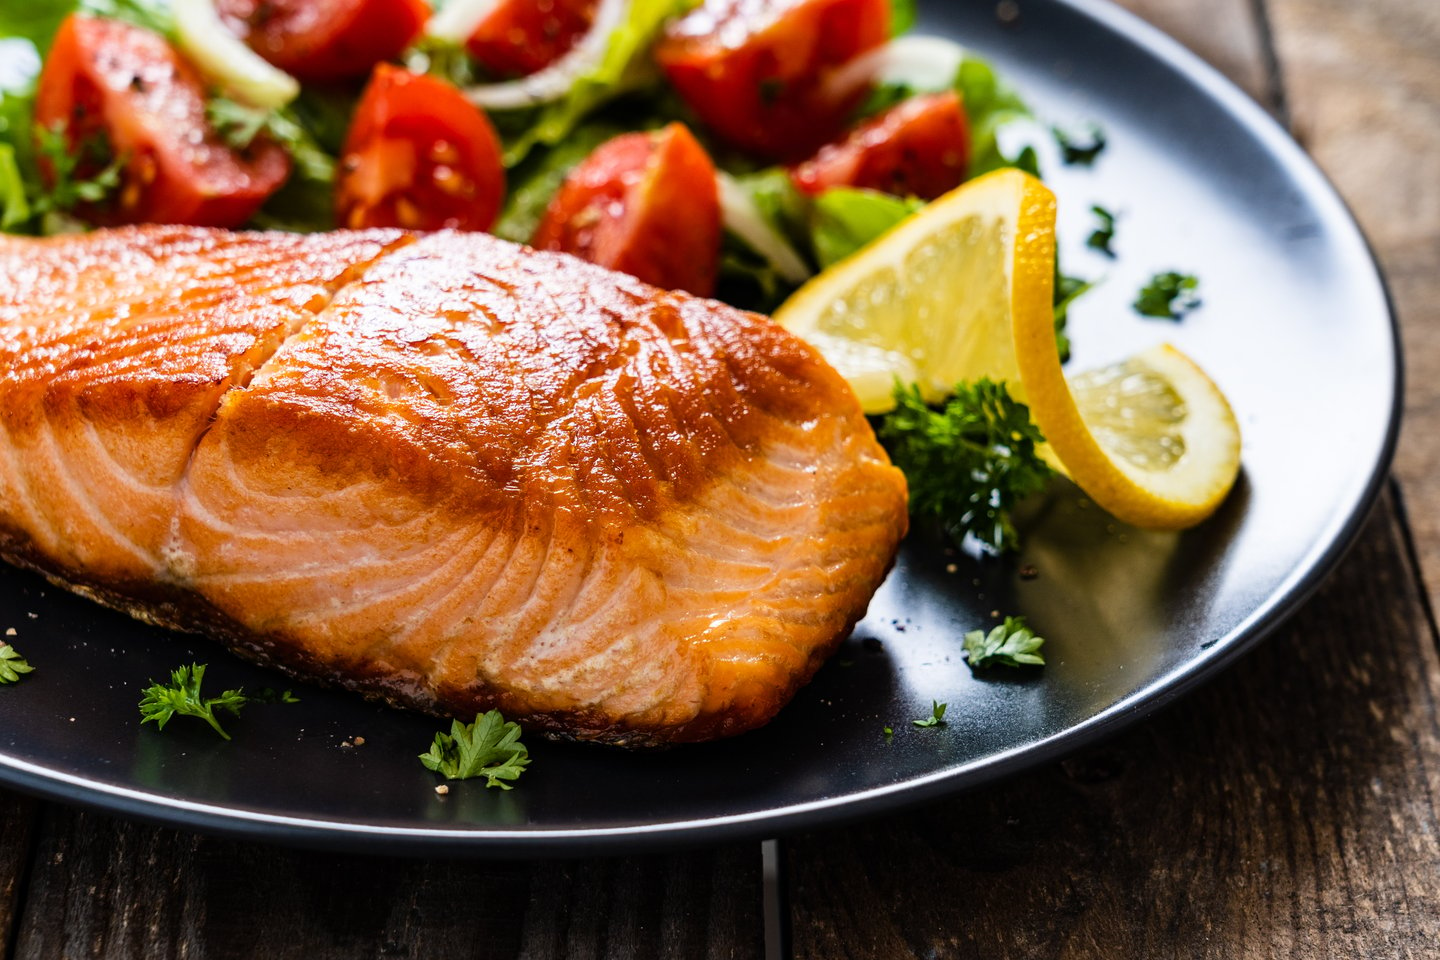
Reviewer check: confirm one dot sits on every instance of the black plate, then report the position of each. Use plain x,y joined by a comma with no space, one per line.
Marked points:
1295,328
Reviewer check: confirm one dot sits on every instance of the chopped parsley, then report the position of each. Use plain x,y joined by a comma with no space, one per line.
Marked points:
181,696
1104,233
1169,296
936,718
490,748
1011,644
12,665
1080,149
969,462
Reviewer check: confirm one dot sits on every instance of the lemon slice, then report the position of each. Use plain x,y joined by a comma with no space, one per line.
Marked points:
963,290
933,301
1150,439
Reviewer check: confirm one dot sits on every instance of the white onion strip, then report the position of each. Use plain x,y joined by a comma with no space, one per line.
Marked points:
743,218
555,81
224,60
929,64
458,19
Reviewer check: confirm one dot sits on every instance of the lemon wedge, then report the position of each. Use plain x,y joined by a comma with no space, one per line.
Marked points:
933,301
963,290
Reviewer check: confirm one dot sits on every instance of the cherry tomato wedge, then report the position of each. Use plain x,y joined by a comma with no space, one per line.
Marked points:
760,73
918,148
126,90
418,155
519,37
643,203
325,39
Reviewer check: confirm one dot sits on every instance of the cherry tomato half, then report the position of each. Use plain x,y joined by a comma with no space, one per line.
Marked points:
420,156
759,72
643,203
519,37
325,39
109,83
918,148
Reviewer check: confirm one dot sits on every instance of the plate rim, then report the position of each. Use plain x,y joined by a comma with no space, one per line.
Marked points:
1299,586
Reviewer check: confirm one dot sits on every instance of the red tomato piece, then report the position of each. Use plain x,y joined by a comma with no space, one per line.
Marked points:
519,37
418,155
109,82
758,71
918,148
325,39
643,203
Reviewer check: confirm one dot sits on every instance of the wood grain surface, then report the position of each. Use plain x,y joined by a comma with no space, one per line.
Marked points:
1286,810
1363,84
103,888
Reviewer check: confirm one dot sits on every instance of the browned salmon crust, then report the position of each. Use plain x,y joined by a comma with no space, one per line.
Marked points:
447,471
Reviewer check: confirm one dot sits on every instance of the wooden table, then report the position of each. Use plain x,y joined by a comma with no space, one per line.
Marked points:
1287,809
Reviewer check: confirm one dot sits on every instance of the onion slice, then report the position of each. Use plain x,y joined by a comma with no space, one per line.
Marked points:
555,81
225,61
458,19
928,64
743,218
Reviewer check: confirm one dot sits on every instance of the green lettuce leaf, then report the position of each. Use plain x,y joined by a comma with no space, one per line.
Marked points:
532,185
625,68
843,220
989,105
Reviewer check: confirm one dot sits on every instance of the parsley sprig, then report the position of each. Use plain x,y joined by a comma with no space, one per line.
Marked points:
936,718
1169,295
490,748
239,125
181,696
969,463
1103,235
68,189
12,665
1011,644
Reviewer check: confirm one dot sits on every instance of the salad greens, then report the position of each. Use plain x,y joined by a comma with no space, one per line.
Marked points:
624,68
26,31
532,186
844,220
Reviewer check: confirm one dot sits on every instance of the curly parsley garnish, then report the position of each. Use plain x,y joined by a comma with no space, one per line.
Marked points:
968,463
182,696
12,665
1104,234
936,718
1169,295
490,748
1075,148
1011,644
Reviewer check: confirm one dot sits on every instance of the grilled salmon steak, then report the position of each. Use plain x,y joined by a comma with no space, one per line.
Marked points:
445,471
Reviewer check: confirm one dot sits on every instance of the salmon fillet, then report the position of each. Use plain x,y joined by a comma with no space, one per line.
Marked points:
445,471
